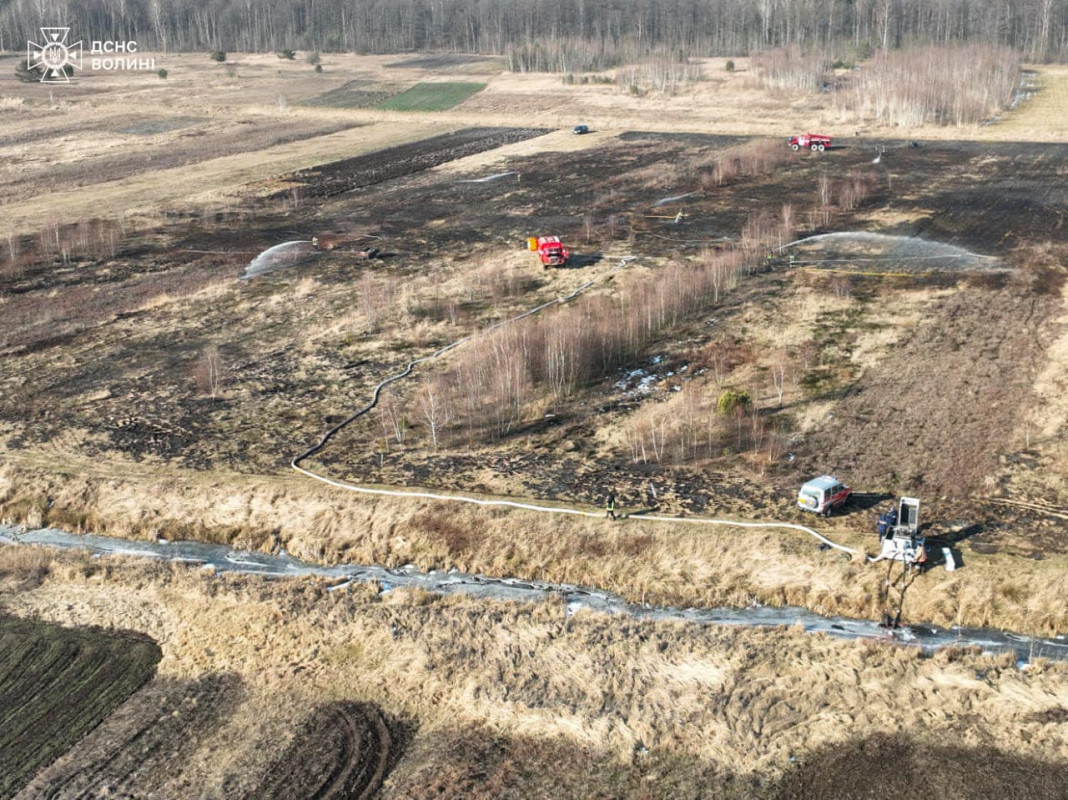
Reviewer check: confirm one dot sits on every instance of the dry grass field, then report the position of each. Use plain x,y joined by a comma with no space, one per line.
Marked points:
146,391
501,700
133,143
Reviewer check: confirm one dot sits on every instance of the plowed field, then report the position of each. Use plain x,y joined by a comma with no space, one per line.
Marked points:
143,747
57,685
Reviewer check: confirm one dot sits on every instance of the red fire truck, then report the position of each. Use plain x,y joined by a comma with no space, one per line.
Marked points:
815,142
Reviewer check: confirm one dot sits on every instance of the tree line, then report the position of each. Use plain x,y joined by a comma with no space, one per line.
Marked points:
615,29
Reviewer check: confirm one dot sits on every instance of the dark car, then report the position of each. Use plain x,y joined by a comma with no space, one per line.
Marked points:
581,129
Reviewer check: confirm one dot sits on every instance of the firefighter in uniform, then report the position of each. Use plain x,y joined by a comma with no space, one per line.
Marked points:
610,505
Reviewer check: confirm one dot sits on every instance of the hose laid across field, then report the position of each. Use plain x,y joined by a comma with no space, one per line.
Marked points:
576,512
457,498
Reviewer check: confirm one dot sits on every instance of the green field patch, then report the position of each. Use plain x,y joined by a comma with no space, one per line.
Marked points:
56,685
432,96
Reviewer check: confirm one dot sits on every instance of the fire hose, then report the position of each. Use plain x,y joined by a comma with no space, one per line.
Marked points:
295,463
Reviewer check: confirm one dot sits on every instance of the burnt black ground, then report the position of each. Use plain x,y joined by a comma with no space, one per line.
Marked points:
986,197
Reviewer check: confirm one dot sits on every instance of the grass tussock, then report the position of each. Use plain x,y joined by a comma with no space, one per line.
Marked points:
25,567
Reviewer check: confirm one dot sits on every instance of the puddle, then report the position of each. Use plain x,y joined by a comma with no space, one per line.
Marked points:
1026,90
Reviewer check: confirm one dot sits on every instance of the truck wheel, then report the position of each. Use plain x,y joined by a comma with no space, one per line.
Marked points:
795,147
827,512
821,148
815,148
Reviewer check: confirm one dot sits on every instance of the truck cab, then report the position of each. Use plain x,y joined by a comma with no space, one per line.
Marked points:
550,250
823,494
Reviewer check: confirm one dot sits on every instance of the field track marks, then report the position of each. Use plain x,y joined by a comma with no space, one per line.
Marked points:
343,751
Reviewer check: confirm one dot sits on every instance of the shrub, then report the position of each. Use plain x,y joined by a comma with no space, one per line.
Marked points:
218,56
24,73
731,401
162,73
286,55
318,67
208,373
729,66
756,157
